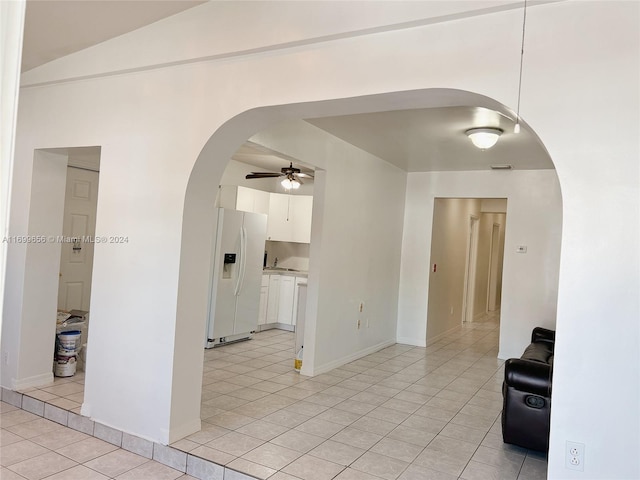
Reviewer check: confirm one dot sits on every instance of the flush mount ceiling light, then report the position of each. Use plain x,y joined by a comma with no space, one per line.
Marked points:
484,138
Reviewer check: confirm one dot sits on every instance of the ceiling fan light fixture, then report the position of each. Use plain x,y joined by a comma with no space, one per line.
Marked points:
289,182
484,138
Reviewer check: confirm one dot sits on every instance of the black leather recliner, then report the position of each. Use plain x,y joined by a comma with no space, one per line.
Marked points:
526,392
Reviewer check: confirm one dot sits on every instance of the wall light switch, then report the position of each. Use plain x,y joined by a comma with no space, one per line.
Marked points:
521,249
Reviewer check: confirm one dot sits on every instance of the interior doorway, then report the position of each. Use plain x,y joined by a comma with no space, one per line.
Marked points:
467,251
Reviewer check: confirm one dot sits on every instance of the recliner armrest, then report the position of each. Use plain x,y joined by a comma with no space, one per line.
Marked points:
540,334
528,376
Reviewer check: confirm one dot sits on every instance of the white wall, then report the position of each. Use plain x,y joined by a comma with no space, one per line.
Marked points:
39,293
11,29
355,245
582,66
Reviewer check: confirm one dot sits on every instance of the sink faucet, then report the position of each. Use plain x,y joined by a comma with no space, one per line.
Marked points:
275,262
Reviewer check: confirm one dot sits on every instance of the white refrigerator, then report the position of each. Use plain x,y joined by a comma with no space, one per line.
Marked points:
236,276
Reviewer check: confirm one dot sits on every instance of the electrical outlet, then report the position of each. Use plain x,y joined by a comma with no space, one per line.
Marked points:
5,358
574,456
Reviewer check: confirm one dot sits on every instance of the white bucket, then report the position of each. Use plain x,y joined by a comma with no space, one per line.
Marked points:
68,342
64,365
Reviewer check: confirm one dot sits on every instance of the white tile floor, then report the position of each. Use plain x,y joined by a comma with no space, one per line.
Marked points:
404,413
34,448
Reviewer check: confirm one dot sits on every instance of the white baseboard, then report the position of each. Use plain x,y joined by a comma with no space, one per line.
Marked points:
349,358
34,381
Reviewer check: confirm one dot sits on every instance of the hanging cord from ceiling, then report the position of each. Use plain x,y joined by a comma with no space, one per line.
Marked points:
516,129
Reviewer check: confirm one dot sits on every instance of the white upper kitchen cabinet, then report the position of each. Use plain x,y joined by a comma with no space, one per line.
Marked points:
289,218
244,199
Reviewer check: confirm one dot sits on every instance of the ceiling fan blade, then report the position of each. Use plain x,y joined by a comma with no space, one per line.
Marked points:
262,175
304,175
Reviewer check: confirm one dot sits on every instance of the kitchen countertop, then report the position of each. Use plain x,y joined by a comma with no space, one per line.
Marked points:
284,271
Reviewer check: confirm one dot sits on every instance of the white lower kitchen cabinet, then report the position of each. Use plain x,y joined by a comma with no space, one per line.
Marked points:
273,299
279,300
285,299
264,300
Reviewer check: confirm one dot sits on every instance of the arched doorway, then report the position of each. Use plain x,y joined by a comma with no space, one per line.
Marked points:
330,296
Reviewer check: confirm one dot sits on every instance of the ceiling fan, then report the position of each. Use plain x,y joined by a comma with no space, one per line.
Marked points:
292,176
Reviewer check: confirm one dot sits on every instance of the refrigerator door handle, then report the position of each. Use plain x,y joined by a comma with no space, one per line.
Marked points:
243,262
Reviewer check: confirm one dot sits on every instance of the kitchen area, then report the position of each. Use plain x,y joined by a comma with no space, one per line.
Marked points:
260,269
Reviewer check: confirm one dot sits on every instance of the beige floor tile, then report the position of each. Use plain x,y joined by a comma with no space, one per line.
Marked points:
6,474
86,450
272,456
7,438
20,451
151,471
415,472
397,449
374,425
357,438
308,467
117,462
262,430
481,471
65,389
298,441
216,456
388,415
319,427
413,436
254,469
380,465
79,472
235,443
337,452
286,418
42,466
35,427
16,417
59,437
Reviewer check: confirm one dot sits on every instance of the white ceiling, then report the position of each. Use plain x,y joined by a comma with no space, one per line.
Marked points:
414,140
434,139
55,28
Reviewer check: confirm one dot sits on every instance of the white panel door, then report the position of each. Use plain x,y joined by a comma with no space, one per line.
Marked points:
79,223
